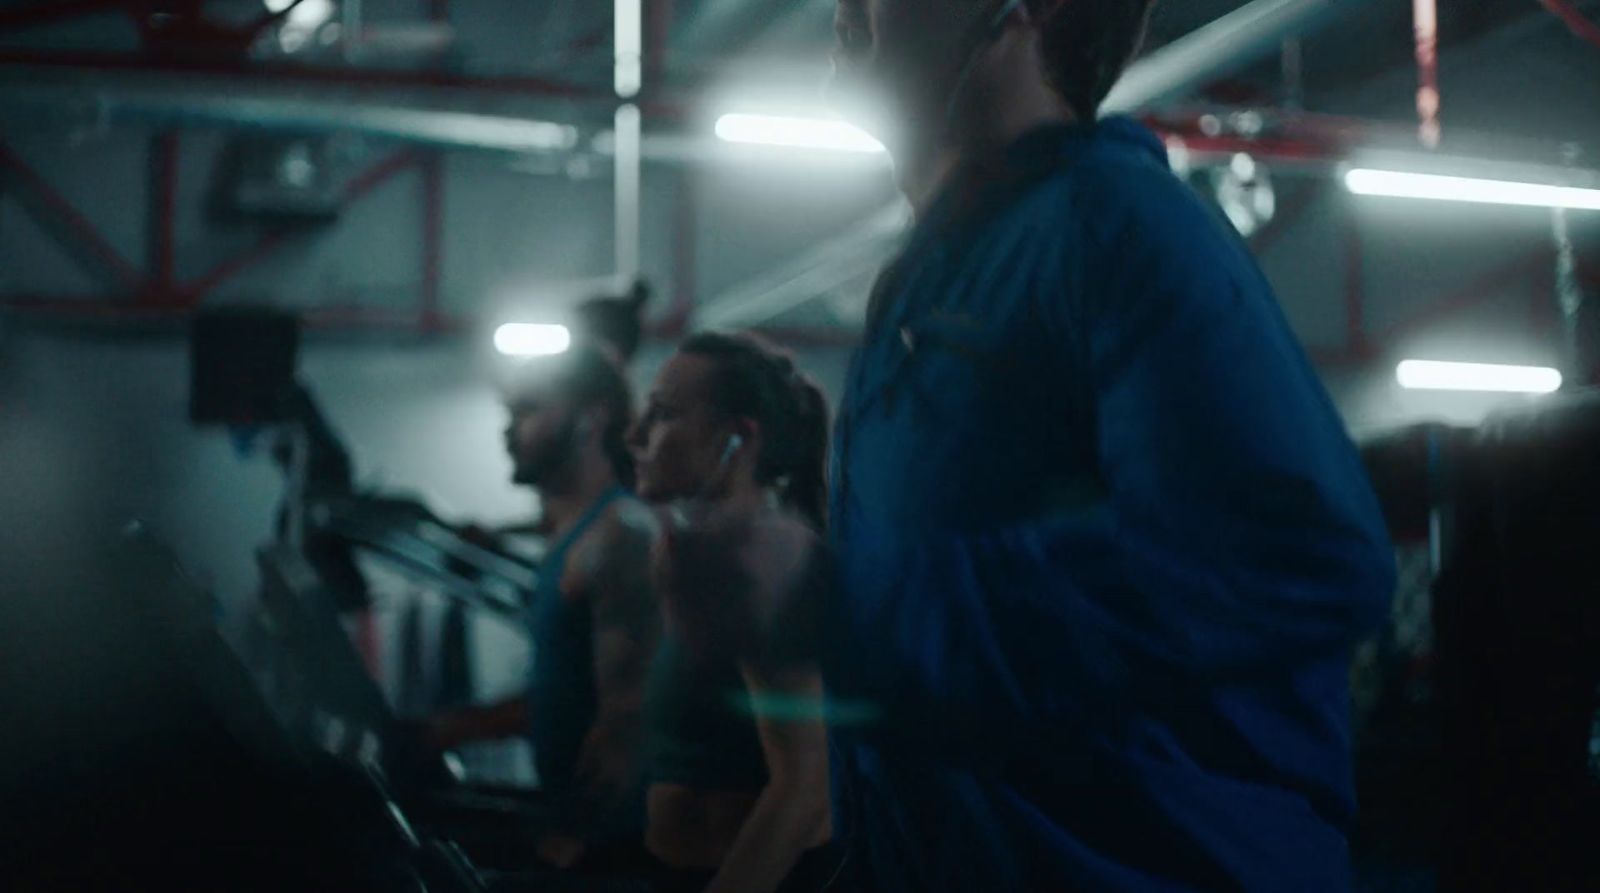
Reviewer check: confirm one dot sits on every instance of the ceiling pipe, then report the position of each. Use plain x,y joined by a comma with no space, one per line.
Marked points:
1234,41
103,107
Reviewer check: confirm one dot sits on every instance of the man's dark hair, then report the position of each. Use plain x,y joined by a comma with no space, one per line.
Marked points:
588,377
1088,45
615,321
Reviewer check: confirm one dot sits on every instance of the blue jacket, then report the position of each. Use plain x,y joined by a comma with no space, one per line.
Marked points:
1104,546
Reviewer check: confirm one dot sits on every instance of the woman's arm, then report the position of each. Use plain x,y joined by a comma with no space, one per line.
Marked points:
792,814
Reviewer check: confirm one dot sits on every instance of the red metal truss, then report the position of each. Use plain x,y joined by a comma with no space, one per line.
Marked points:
57,205
1575,21
355,190
162,296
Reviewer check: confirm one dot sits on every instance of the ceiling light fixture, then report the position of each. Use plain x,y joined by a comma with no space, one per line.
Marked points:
518,339
1434,375
1400,184
796,133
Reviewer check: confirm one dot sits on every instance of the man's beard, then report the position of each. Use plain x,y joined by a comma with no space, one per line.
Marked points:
551,460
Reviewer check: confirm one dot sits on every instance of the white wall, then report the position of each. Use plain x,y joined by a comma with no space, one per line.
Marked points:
101,425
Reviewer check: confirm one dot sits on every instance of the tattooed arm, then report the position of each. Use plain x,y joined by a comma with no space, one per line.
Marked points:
613,572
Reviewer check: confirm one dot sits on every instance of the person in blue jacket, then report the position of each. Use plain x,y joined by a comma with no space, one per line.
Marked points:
1103,543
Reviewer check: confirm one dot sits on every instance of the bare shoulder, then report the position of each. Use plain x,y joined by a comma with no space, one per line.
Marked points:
624,524
628,520
783,544
615,551
783,553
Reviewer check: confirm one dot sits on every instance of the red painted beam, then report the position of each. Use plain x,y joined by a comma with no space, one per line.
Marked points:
378,174
196,290
1425,18
1581,27
83,231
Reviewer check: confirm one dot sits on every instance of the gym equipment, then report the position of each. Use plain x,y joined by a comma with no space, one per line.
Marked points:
419,543
321,695
241,365
1517,622
1396,738
170,770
